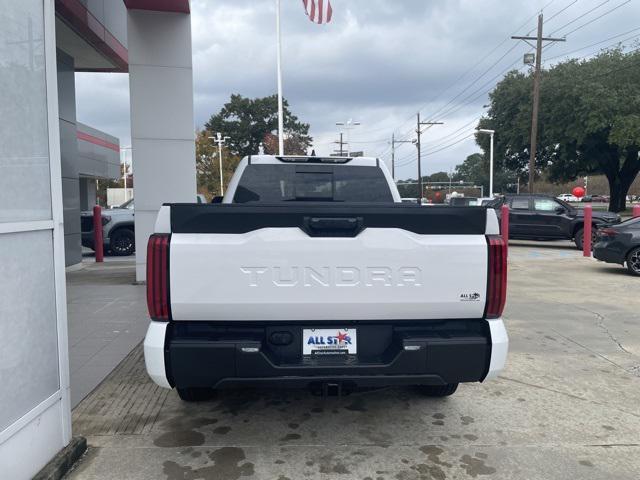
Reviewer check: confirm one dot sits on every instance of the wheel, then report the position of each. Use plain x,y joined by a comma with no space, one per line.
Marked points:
123,242
195,394
579,238
438,390
633,261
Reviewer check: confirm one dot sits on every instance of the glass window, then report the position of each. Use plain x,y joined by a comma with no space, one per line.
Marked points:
545,204
520,203
314,186
29,369
25,182
329,183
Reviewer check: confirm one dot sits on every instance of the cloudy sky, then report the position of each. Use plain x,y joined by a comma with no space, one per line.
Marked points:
378,62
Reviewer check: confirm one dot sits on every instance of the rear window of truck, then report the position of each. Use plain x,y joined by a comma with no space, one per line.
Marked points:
319,183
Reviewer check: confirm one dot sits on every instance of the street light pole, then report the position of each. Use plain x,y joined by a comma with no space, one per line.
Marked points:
348,126
123,150
220,140
491,133
280,100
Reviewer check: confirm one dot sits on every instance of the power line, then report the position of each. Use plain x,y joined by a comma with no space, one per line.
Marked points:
454,137
450,145
479,62
581,16
475,81
560,12
597,18
600,42
461,77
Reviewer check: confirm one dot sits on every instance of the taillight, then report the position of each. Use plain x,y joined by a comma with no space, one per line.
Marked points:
158,277
608,232
497,281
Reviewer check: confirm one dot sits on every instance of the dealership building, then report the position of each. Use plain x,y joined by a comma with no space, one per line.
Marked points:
49,163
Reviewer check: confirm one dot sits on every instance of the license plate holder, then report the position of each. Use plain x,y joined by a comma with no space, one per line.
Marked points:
329,341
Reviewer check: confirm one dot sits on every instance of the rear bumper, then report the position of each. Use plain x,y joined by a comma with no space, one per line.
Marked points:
609,252
192,354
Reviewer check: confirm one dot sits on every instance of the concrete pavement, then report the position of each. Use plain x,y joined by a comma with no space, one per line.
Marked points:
567,405
107,319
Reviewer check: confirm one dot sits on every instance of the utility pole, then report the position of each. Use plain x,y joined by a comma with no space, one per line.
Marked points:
393,153
220,140
539,39
419,145
341,143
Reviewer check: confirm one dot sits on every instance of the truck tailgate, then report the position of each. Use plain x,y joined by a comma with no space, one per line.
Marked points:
399,263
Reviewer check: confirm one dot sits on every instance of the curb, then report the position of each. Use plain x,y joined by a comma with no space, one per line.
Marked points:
63,461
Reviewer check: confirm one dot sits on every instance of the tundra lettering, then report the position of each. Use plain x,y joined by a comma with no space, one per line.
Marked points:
295,276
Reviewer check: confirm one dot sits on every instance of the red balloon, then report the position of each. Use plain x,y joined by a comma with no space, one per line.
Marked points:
578,192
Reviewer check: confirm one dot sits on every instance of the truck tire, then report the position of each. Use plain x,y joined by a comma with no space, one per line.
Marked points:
579,237
123,242
633,261
195,394
438,390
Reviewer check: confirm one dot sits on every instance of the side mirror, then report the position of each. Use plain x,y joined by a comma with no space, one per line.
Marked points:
217,199
560,210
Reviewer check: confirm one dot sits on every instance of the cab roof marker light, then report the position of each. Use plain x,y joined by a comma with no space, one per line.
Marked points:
293,159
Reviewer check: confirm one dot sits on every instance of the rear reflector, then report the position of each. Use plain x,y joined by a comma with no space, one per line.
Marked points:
158,277
497,281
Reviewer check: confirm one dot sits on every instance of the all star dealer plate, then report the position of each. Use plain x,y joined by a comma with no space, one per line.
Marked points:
329,341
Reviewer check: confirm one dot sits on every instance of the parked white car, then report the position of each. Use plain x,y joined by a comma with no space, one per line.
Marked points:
567,197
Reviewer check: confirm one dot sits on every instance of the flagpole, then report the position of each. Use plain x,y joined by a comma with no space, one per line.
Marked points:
280,106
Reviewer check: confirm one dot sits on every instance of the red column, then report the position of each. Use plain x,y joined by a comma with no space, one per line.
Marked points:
636,211
504,227
586,238
98,245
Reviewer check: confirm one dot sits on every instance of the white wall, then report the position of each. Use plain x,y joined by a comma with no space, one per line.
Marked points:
117,196
34,373
162,124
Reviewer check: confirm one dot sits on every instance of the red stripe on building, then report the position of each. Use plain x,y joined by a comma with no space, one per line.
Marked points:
98,141
177,6
74,13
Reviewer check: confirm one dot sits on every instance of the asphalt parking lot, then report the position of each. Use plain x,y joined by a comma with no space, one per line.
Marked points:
567,405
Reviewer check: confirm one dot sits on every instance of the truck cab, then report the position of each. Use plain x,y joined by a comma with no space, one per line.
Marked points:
266,178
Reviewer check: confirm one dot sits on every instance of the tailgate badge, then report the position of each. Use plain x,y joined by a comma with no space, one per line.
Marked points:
470,297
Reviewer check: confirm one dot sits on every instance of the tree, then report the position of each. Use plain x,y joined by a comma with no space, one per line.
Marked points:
475,169
293,145
437,177
208,166
589,121
251,122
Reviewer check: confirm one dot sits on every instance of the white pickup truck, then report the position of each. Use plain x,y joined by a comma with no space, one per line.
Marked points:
312,273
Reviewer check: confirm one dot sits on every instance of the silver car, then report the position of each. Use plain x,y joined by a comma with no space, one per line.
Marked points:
117,229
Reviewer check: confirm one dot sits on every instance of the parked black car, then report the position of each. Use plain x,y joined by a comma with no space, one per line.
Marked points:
620,244
543,217
595,199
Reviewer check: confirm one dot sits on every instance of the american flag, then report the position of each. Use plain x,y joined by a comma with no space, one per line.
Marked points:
318,11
